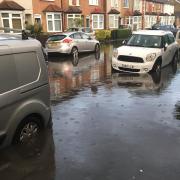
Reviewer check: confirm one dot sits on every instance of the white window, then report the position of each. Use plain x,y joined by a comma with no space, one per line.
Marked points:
113,21
12,20
114,3
74,20
98,21
93,2
137,5
125,3
54,22
74,2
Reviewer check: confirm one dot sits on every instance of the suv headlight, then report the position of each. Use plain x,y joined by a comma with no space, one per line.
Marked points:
150,57
115,53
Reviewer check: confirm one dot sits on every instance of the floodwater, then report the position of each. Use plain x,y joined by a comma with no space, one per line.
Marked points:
105,126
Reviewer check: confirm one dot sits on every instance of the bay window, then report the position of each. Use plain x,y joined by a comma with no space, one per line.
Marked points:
12,20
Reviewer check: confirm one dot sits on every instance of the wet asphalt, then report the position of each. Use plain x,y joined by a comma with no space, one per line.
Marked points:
106,126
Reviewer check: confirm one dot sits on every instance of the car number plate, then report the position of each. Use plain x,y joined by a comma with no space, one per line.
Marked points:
127,66
52,45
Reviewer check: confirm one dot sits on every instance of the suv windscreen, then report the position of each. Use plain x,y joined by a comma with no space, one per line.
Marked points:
149,41
56,38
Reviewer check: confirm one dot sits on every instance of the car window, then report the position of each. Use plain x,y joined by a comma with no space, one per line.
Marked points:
166,40
171,38
87,30
84,36
141,40
56,38
27,66
8,77
76,36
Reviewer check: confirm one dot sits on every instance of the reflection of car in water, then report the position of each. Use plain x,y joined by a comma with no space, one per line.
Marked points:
29,162
145,83
69,75
65,66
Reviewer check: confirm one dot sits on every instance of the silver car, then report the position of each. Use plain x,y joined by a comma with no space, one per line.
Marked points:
71,43
24,93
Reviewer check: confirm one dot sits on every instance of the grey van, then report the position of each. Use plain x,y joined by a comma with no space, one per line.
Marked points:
24,90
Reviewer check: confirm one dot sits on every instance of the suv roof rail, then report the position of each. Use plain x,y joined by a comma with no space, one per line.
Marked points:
22,31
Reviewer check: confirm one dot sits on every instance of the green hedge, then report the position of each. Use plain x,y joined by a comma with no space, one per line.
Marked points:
103,35
120,33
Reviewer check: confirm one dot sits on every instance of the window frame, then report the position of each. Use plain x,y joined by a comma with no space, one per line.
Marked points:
10,18
115,18
93,2
98,21
125,3
53,21
114,3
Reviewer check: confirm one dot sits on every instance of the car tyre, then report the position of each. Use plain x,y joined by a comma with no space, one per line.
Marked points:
75,52
157,67
97,48
28,130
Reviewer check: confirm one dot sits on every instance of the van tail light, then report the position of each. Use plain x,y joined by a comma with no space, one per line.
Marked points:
67,40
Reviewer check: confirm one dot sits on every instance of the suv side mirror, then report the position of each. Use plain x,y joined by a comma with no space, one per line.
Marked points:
124,42
165,46
89,38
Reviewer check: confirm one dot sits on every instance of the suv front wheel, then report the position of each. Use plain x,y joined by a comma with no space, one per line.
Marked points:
157,67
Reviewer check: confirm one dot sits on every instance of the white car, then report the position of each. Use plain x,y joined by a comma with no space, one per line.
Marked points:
145,51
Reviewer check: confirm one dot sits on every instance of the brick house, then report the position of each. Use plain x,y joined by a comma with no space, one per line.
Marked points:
177,12
15,14
131,12
140,14
89,13
159,11
112,14
49,14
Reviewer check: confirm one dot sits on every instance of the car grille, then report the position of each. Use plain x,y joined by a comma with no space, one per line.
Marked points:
129,70
130,59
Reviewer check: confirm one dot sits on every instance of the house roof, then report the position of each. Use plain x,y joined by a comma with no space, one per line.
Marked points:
52,8
137,13
73,9
11,5
113,11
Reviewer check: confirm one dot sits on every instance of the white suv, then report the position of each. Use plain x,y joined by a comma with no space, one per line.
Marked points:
145,51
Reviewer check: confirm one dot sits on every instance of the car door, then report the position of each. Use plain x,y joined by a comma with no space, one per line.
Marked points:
86,42
78,41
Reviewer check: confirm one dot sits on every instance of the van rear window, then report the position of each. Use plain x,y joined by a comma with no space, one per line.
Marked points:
56,38
8,77
27,66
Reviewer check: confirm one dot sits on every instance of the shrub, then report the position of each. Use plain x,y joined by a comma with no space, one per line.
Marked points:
102,35
35,29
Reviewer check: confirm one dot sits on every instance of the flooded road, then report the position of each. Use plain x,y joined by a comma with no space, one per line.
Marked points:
105,126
